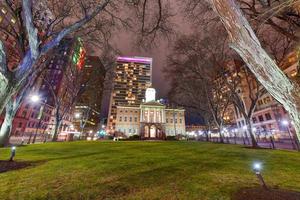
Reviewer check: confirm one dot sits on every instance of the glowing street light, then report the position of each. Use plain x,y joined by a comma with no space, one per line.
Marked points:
294,143
35,98
254,129
77,115
257,167
285,122
245,127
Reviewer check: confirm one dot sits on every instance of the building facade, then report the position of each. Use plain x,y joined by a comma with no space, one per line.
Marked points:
269,113
88,106
132,78
150,120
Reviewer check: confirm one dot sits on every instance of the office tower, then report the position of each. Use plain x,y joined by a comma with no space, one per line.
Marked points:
88,105
133,75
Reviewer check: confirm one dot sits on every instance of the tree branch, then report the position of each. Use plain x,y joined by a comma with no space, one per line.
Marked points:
31,30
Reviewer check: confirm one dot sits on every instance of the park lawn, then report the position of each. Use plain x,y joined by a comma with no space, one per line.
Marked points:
143,170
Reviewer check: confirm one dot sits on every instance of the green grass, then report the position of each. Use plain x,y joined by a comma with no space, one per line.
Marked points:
143,170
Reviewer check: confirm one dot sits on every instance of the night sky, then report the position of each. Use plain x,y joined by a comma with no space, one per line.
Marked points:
124,41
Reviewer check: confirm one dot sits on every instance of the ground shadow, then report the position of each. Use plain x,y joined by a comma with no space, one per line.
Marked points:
258,193
6,165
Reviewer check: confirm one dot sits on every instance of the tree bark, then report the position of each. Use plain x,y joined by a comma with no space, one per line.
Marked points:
6,125
221,134
252,136
57,125
245,43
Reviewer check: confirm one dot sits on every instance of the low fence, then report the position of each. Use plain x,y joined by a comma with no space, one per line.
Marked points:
280,143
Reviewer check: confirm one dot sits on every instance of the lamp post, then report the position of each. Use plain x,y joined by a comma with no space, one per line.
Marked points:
12,153
36,99
257,169
285,123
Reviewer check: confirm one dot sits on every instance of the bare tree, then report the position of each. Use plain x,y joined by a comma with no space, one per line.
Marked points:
246,44
245,92
88,18
196,66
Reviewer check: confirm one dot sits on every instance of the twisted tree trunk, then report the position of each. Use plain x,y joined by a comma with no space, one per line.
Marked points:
245,43
7,124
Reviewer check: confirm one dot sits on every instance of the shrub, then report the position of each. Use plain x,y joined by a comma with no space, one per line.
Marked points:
134,137
169,137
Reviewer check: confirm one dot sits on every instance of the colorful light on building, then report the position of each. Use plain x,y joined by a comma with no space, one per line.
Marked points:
79,54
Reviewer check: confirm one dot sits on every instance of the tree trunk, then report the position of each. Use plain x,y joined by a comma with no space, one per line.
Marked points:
245,43
249,129
6,125
6,92
221,134
56,129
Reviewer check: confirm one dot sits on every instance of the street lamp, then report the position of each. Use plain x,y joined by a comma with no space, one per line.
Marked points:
77,115
35,98
286,124
12,153
257,167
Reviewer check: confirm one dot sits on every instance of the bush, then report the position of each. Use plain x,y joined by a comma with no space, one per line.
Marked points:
110,137
169,137
134,137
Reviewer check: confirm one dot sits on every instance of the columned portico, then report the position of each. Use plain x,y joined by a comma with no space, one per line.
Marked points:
152,131
150,120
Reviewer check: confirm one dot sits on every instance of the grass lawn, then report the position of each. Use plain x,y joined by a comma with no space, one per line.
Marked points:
143,170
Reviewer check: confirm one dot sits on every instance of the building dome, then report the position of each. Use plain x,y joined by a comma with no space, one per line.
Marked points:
150,94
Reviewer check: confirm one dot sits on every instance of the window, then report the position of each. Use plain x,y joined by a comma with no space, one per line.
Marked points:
167,120
125,119
260,118
171,121
4,11
267,100
120,119
135,119
130,119
20,125
268,116
175,121
254,119
24,113
180,121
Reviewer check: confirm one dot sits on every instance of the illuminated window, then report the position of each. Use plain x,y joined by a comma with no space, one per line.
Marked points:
13,20
293,73
4,11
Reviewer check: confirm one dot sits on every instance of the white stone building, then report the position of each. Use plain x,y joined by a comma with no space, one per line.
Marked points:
150,120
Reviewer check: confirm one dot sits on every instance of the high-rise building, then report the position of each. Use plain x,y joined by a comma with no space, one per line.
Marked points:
88,106
133,75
